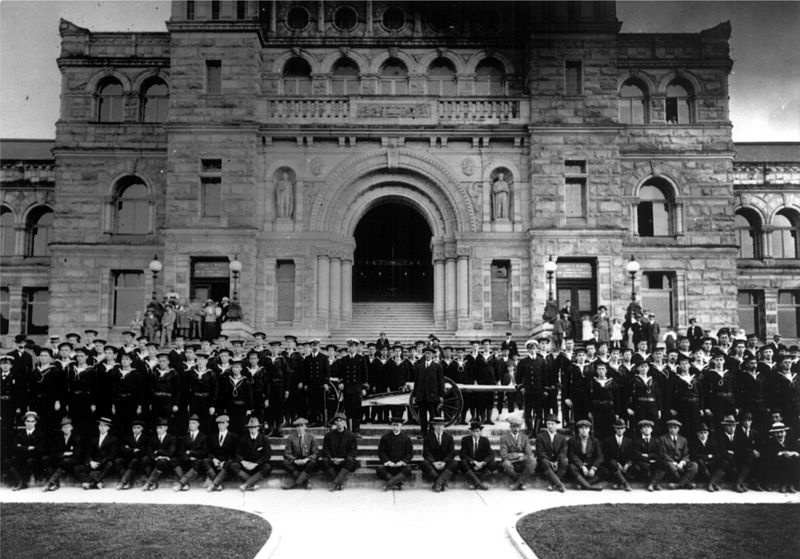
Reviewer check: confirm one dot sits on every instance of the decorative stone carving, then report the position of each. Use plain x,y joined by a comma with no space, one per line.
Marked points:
501,192
468,166
393,110
316,166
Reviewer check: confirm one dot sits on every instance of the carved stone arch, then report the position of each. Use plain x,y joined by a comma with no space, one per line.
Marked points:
647,80
12,209
490,167
378,60
140,79
458,62
330,60
283,58
698,87
783,205
94,81
476,59
756,205
635,183
26,213
114,183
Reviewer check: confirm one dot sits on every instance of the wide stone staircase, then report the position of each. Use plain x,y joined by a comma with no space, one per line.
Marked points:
403,322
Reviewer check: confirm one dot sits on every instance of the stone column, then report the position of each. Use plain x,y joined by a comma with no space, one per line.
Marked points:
336,290
450,291
438,292
462,279
323,287
20,240
347,291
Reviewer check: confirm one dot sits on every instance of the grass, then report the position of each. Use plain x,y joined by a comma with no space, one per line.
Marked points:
729,531
127,531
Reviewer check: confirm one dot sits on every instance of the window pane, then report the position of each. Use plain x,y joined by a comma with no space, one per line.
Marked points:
573,84
658,297
575,198
133,211
213,77
7,233
4,310
211,197
749,309
660,220
789,313
38,303
39,233
128,296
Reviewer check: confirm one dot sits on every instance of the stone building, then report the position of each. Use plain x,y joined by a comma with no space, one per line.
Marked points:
359,156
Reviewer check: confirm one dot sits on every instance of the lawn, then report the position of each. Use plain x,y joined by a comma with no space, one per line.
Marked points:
725,531
127,531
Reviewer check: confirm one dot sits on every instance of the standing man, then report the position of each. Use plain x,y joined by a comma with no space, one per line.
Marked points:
395,453
516,454
339,451
316,374
477,457
551,454
428,391
510,345
353,372
300,455
438,455
529,380
251,464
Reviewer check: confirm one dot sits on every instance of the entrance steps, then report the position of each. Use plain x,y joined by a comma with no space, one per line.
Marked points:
402,321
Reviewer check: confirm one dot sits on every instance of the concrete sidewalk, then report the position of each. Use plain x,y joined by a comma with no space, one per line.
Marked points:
365,523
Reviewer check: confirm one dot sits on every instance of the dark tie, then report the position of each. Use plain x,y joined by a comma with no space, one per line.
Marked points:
221,437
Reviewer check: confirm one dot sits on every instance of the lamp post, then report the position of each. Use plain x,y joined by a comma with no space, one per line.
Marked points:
633,267
235,267
551,308
155,267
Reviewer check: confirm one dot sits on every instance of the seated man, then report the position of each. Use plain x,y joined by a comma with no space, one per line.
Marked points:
251,463
618,454
748,455
100,455
477,457
395,452
781,460
645,455
65,456
585,457
516,454
551,454
674,461
163,456
29,451
300,455
704,452
221,450
438,455
339,451
132,455
726,444
193,448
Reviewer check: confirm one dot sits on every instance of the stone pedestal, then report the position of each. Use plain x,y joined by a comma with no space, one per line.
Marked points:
284,224
236,329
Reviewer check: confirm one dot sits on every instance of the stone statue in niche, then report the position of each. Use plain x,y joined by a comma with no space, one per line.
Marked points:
500,197
285,196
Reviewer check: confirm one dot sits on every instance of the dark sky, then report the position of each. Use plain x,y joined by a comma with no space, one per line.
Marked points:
765,83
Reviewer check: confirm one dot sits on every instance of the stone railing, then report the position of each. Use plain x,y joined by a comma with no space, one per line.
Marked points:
394,110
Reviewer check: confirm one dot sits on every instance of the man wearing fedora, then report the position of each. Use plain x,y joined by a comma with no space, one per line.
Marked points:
99,458
748,455
551,454
163,456
29,451
477,457
428,391
781,460
618,455
726,443
704,452
674,461
438,455
221,451
132,455
65,455
395,453
300,455
516,455
251,463
192,450
339,452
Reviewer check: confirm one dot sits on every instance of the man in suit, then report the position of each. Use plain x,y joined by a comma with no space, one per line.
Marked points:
646,455
516,454
300,455
29,451
163,455
13,392
585,457
510,345
101,452
529,380
339,452
748,455
781,460
132,454
221,450
316,374
618,454
695,334
394,453
193,448
428,391
674,460
438,455
251,463
551,454
65,456
704,452
352,370
477,457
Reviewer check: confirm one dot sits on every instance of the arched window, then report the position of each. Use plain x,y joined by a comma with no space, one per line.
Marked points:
297,77
785,234
394,77
632,103
654,214
110,101
679,102
748,233
442,77
7,232
38,230
132,207
489,78
154,101
344,79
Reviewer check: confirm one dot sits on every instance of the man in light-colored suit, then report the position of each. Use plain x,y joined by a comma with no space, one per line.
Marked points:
300,455
674,458
516,454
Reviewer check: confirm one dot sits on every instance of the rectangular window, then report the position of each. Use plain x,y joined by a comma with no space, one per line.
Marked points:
215,9
211,165
344,85
573,84
214,77
189,9
658,296
211,196
575,197
129,295
37,306
677,110
240,9
750,311
5,309
789,313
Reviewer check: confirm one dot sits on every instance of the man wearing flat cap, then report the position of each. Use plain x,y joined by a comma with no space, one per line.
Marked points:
65,455
674,461
339,452
251,463
438,455
428,391
646,452
395,453
585,457
132,455
300,455
477,457
221,451
618,457
192,450
781,460
516,455
551,454
29,452
99,457
163,456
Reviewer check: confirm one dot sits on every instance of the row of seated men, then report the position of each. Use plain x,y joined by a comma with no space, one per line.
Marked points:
738,454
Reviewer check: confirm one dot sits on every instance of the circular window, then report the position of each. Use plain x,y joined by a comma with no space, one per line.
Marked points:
488,19
297,18
393,18
345,18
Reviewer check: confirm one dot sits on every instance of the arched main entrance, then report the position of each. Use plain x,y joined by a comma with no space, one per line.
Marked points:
392,260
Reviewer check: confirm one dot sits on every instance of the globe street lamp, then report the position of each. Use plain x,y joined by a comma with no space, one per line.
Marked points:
155,267
235,267
550,309
632,267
